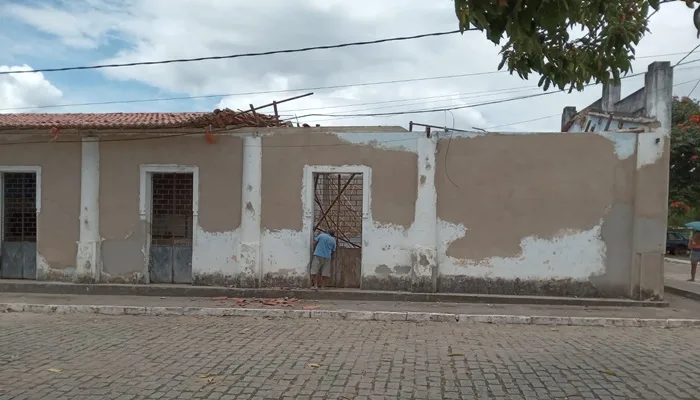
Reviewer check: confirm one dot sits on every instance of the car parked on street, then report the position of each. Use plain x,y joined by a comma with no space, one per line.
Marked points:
676,242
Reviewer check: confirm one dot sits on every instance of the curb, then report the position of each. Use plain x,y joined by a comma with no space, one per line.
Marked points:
677,261
109,289
350,315
688,294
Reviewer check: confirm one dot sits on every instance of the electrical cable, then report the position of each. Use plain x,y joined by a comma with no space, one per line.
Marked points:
307,89
423,111
257,93
687,55
233,56
228,129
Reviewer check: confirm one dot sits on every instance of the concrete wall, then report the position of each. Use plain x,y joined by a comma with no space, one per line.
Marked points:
57,221
123,228
649,110
573,213
547,214
390,174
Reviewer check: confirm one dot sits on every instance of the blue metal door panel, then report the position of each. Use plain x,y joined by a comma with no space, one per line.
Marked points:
161,264
12,260
182,264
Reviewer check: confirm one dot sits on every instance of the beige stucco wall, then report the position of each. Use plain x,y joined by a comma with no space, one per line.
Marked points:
58,224
286,230
527,202
122,230
394,177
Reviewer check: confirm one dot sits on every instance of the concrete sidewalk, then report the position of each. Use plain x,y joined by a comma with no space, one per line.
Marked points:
155,290
680,309
676,274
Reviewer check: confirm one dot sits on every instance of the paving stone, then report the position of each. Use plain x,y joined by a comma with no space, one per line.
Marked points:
360,315
418,316
390,316
172,357
328,314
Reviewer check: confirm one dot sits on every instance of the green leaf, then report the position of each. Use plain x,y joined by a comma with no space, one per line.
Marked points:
500,65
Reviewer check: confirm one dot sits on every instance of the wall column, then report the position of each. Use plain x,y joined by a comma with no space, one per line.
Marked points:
424,266
88,265
651,191
251,204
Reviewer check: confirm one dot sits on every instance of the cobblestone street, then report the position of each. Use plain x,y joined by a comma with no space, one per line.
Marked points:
101,357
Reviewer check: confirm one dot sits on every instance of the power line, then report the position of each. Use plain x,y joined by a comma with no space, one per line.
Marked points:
317,88
423,111
687,55
353,116
419,100
694,87
227,129
524,122
258,93
556,115
441,97
241,55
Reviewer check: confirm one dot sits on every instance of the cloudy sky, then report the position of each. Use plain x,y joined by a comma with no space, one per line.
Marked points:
56,33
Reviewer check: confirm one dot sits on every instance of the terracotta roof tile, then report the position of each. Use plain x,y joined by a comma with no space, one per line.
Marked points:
216,119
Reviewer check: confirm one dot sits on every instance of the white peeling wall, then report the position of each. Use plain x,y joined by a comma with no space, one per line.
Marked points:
395,252
288,252
569,254
215,253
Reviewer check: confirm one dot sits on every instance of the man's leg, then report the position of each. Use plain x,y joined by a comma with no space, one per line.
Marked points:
325,271
693,270
315,271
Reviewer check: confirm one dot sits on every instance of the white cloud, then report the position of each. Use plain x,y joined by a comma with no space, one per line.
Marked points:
25,90
156,29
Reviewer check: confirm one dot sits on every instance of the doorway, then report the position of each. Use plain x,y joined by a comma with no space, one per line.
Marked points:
338,201
170,250
19,204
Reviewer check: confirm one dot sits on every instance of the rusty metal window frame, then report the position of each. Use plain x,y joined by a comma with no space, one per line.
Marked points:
308,201
171,208
339,211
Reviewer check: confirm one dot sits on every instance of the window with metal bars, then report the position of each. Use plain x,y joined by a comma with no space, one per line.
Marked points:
19,207
171,211
338,207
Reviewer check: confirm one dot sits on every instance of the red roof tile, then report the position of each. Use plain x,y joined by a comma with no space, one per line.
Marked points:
217,119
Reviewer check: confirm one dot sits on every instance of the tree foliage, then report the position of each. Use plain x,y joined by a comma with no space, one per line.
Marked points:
684,182
570,43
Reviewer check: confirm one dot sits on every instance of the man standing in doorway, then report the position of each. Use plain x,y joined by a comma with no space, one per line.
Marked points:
321,262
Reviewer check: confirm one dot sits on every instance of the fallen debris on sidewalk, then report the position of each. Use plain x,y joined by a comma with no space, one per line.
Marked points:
256,302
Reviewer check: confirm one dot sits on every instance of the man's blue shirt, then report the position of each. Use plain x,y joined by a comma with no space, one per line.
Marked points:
325,245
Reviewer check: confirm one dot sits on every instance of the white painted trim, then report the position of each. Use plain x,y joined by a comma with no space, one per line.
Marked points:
89,216
145,181
308,199
310,170
145,169
251,193
90,190
24,168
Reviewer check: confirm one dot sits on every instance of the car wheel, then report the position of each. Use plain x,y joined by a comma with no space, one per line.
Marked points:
681,251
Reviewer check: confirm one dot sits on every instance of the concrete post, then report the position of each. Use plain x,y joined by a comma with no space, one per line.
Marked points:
567,115
424,271
651,192
251,203
611,95
88,258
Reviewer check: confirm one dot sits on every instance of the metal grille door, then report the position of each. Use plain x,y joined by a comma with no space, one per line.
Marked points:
171,228
338,207
18,256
